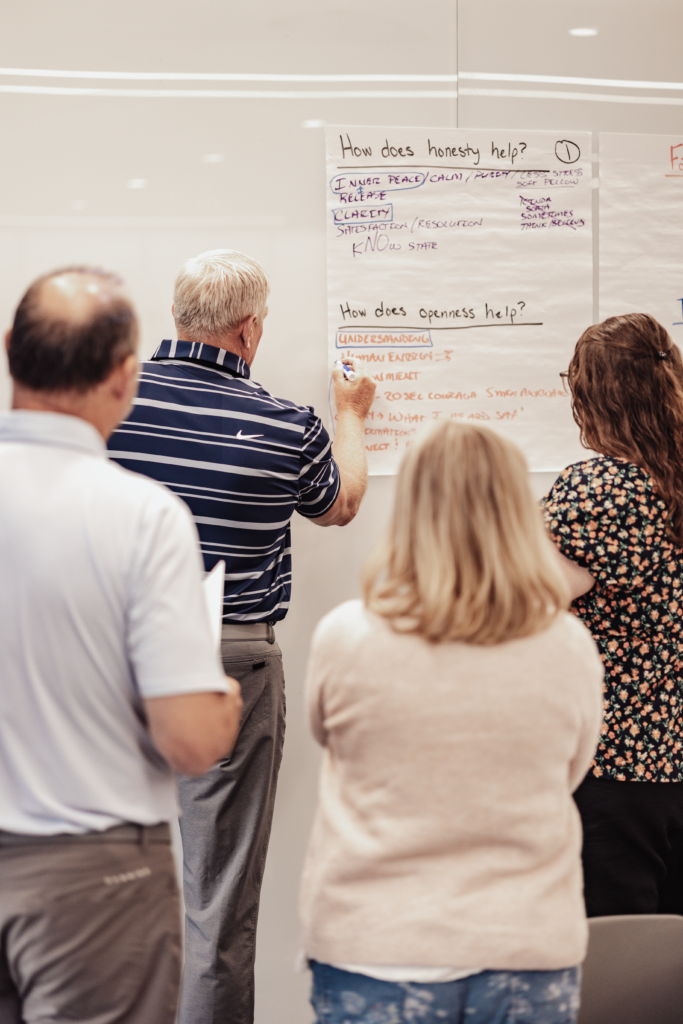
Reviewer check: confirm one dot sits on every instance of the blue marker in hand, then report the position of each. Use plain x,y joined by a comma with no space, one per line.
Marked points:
347,370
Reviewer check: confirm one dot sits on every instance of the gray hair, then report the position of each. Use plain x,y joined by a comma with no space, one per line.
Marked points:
216,291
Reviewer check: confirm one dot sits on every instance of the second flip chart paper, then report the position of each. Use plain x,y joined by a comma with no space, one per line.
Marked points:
460,268
641,228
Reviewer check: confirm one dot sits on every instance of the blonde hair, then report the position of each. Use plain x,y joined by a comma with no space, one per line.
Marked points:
216,291
466,556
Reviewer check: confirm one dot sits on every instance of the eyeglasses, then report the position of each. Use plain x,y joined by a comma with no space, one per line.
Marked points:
564,374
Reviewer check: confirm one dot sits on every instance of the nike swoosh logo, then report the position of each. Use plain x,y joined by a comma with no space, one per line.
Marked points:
247,437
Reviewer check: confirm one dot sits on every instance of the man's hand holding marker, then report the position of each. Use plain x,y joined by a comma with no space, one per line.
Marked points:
346,370
354,387
354,393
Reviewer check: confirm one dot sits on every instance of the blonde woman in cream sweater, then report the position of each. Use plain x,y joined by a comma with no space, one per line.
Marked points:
458,706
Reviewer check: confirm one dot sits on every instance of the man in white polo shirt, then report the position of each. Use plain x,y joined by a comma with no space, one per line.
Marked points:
109,678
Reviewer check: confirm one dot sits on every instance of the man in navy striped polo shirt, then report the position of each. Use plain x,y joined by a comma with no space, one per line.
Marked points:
244,462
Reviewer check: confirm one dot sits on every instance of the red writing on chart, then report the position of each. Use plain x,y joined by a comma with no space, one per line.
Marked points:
676,161
415,339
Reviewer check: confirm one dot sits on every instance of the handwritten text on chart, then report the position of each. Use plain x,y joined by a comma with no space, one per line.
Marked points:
538,213
494,314
401,427
460,272
373,187
364,214
676,158
565,150
409,339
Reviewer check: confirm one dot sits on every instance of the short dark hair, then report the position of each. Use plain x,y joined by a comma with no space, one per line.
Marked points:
48,354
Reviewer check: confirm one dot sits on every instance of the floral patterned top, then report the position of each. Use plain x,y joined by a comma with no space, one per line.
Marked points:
604,514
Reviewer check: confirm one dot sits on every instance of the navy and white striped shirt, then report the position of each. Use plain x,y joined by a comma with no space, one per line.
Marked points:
242,460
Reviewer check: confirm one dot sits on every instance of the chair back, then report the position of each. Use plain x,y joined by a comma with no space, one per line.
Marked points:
633,971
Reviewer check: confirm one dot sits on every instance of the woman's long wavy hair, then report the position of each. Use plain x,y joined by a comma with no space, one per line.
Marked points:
626,381
466,556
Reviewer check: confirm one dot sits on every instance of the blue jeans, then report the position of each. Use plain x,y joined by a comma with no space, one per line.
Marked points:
492,997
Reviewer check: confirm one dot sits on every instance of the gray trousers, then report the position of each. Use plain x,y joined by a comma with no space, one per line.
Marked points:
89,928
225,827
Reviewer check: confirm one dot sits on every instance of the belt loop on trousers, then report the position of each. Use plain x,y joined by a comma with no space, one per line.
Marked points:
248,631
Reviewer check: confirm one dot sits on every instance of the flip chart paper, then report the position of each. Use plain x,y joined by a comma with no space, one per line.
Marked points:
460,268
213,592
641,228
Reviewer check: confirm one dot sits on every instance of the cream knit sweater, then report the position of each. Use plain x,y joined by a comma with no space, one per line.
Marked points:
445,833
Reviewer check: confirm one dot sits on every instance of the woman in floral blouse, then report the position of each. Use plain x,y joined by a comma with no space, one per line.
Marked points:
618,518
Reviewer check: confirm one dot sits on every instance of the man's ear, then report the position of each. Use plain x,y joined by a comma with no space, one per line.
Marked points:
124,376
247,329
8,338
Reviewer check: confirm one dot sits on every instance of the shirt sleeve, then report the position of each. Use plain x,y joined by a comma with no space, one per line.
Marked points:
589,676
602,515
319,479
170,644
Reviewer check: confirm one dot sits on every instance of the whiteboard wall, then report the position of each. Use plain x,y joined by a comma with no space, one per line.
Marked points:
65,197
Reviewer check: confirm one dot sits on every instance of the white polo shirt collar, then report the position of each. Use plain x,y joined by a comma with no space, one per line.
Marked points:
51,428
